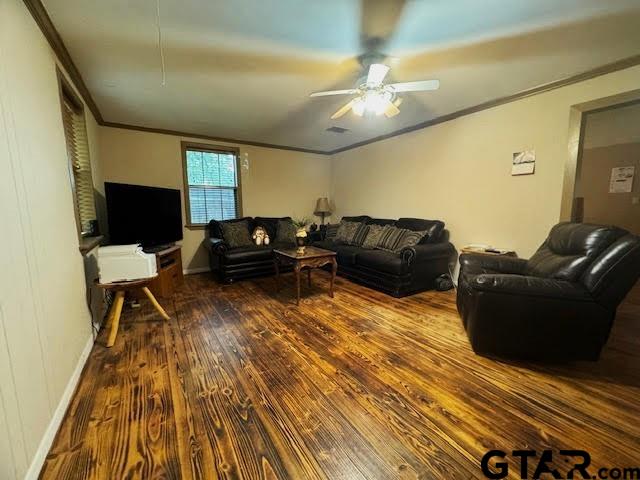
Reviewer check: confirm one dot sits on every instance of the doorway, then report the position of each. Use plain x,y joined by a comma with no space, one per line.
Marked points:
607,188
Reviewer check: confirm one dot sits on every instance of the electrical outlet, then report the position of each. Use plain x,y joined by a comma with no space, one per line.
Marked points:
635,200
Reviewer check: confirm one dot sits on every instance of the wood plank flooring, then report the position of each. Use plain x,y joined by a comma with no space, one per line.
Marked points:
241,383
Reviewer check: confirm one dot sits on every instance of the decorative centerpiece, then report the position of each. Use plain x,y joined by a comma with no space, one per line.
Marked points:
301,234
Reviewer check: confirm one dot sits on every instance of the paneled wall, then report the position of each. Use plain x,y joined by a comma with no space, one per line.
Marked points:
44,320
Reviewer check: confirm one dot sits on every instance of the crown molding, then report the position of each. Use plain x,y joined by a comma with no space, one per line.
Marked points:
178,133
39,14
41,17
580,77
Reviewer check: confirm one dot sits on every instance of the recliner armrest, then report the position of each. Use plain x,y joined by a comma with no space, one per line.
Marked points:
480,263
217,245
530,287
427,251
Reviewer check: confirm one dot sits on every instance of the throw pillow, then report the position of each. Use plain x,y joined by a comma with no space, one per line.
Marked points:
394,239
331,231
286,231
373,236
236,234
410,239
350,232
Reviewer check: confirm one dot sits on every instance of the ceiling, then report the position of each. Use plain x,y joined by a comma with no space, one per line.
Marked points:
244,69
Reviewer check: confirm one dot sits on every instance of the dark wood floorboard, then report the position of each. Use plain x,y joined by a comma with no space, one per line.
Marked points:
243,384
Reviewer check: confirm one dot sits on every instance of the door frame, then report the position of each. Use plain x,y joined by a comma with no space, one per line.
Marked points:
577,120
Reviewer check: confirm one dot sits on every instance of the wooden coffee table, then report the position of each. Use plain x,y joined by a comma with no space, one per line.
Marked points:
313,257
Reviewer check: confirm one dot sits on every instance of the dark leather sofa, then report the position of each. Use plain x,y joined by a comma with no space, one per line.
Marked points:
413,270
231,264
558,305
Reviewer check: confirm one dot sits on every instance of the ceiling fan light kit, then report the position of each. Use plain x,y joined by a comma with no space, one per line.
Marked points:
376,98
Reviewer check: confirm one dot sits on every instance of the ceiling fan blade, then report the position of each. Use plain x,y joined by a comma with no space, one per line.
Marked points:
415,86
343,110
377,72
350,91
378,21
391,110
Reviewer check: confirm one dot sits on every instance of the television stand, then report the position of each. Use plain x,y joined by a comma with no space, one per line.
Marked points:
158,248
169,264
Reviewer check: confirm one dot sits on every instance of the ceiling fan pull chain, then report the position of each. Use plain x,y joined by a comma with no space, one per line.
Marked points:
160,48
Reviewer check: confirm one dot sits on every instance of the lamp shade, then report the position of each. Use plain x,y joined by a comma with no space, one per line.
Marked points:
322,206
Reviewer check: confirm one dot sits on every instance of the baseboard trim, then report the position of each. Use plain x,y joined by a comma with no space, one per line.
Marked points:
50,434
191,271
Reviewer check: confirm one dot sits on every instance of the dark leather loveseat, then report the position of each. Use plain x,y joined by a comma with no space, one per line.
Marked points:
413,270
559,304
231,264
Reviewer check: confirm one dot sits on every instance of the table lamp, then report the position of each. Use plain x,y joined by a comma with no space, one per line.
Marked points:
322,208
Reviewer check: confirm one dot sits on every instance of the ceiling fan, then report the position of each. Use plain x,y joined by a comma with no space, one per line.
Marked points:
374,96
378,22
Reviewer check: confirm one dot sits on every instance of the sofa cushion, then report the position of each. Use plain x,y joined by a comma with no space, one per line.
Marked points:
347,254
373,236
236,234
286,231
433,228
381,221
326,244
382,261
248,254
270,224
358,218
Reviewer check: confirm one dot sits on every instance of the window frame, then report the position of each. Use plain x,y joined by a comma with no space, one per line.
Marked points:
205,147
67,94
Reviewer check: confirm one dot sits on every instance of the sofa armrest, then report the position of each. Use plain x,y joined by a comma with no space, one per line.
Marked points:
217,246
479,263
527,286
426,252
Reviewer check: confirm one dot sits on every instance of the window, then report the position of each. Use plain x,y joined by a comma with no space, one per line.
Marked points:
79,162
212,183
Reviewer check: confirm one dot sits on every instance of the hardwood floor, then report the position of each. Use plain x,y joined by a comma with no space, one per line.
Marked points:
241,383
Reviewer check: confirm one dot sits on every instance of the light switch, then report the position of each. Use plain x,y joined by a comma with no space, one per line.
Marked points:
635,200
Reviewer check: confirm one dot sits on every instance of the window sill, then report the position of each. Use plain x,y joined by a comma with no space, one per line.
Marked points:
89,243
196,226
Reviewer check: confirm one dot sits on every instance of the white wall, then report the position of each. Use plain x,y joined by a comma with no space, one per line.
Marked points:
277,183
44,320
460,171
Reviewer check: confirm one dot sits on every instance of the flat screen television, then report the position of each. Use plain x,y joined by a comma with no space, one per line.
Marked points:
147,215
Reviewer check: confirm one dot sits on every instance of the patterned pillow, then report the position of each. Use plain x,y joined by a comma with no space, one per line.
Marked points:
236,234
373,236
351,233
286,231
410,239
330,233
394,239
361,234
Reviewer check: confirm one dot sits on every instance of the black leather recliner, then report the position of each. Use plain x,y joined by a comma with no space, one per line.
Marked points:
559,304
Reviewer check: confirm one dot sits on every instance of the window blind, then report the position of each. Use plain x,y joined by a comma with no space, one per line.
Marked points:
212,179
80,164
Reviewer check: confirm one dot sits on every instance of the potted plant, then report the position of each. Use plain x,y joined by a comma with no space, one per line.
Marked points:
301,233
